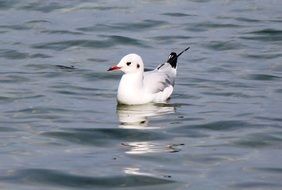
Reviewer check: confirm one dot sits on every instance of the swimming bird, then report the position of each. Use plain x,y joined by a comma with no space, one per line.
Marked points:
139,87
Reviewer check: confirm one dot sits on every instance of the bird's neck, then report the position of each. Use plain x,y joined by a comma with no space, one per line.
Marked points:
131,81
130,85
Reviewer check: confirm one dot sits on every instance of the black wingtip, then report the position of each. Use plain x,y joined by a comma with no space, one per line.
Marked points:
172,58
183,51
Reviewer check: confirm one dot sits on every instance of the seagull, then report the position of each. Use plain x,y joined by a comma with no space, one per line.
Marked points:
138,87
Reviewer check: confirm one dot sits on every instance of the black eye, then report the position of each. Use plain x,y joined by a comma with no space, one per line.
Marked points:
128,63
138,65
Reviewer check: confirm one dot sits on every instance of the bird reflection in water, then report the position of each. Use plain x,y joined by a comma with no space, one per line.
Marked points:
137,117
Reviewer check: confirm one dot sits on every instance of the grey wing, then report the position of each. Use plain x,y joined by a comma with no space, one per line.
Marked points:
155,81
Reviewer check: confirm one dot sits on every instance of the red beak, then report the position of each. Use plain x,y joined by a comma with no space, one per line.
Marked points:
114,68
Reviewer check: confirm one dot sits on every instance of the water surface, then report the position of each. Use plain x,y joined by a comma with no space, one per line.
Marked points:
60,127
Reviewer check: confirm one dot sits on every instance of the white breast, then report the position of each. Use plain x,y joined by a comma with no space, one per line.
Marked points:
131,91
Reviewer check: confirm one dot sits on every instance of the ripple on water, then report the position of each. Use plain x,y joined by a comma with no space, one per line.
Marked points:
260,140
94,6
169,39
35,113
14,54
175,14
63,32
202,130
15,27
205,26
7,4
222,125
280,92
7,129
247,20
277,170
263,77
123,40
100,137
223,45
59,178
265,35
14,78
62,45
111,41
14,96
93,76
138,26
262,55
256,185
38,21
42,7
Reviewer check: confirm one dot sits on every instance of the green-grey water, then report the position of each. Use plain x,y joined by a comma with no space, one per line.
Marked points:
60,127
